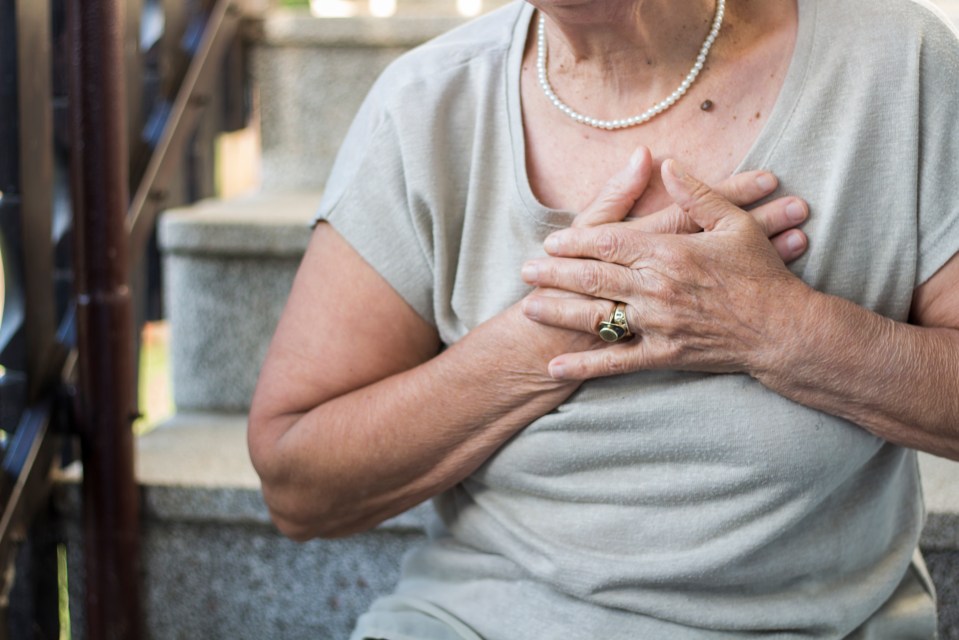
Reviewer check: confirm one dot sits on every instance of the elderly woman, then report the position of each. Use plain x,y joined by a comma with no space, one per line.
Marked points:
737,459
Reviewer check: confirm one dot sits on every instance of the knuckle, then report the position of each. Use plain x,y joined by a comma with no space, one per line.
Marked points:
707,200
671,220
611,194
593,281
657,288
594,315
735,189
609,245
701,193
613,363
667,292
761,217
679,222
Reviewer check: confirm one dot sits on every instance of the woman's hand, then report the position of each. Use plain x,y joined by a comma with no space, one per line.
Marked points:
710,301
778,218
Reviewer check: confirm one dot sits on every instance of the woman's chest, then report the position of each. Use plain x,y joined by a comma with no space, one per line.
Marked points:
573,174
569,165
710,131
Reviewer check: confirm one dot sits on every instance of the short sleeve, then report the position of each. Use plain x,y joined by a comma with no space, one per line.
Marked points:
938,206
367,201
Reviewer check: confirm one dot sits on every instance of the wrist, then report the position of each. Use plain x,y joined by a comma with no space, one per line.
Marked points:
519,350
789,332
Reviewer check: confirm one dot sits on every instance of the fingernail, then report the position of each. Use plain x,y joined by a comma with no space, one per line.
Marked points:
794,242
636,159
552,243
675,168
557,370
532,308
766,182
530,272
796,212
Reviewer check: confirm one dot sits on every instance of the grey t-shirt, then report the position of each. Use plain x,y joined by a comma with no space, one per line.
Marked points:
665,504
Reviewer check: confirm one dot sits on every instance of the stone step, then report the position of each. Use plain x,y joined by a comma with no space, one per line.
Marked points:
207,453
213,564
206,533
228,267
311,75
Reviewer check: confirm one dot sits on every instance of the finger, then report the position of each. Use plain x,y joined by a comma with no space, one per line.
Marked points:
557,293
590,277
617,244
790,244
780,214
672,219
744,189
624,357
707,208
741,189
620,192
576,314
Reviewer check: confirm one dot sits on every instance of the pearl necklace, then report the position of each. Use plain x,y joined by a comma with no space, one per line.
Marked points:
650,113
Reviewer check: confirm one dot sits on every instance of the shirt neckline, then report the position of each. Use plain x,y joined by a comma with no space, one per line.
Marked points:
756,157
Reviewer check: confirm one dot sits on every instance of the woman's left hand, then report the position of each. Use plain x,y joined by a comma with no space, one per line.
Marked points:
717,301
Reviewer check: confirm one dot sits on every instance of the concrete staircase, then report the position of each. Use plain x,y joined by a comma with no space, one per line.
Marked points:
214,566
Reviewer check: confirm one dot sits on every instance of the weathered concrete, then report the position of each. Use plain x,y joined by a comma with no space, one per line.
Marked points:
228,267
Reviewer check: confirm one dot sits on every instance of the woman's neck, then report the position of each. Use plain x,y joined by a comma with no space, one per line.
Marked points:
609,39
614,54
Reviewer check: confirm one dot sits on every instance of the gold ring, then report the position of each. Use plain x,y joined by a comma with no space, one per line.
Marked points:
616,328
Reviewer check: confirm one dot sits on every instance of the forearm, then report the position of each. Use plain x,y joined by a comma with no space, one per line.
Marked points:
896,380
372,453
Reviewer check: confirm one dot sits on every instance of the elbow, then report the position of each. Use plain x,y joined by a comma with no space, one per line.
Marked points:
312,522
298,510
282,494
291,529
295,529
303,503
301,510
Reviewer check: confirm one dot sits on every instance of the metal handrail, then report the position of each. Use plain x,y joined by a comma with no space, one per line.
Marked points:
194,94
103,411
